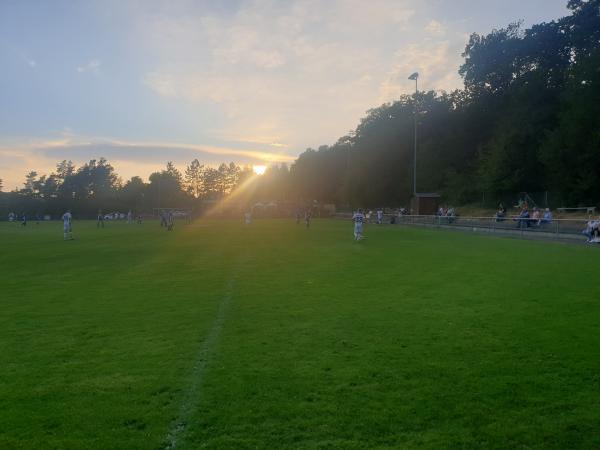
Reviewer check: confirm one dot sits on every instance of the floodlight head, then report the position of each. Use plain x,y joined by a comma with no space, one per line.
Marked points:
414,76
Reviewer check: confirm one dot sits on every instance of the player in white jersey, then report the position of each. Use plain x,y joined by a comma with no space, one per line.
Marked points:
379,216
67,228
359,219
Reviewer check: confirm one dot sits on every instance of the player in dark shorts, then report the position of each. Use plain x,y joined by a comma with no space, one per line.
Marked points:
307,217
170,221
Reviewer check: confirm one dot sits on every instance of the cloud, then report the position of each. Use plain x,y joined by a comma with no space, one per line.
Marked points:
432,59
19,53
129,157
267,140
435,28
161,83
253,77
93,66
302,73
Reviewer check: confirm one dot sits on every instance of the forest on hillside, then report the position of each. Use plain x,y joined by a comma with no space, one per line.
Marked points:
526,120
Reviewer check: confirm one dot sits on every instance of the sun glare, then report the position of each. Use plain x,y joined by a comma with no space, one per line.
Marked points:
259,170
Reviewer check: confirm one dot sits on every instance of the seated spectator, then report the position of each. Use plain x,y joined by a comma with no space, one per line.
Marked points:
592,230
596,233
547,219
536,218
523,217
451,214
501,213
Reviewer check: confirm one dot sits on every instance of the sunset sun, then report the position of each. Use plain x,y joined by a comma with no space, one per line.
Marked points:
259,170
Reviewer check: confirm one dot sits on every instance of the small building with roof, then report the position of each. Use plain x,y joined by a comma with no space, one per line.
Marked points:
424,204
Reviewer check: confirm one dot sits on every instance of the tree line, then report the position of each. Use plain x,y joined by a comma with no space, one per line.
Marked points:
526,120
96,186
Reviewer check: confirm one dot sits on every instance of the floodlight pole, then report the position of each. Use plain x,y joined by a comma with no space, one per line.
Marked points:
416,78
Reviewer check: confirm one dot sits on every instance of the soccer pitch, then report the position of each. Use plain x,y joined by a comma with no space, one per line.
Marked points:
222,335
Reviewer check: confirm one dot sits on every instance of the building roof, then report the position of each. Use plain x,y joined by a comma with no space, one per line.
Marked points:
427,195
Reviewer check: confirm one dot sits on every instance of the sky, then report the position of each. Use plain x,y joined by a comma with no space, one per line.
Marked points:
143,82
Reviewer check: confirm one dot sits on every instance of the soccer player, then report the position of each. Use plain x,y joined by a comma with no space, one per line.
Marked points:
23,220
307,217
170,220
100,222
248,217
379,216
67,228
129,217
359,219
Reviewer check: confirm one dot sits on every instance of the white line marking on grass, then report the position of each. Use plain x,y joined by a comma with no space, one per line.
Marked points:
179,425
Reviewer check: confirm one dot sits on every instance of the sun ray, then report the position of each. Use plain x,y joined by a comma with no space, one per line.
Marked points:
241,195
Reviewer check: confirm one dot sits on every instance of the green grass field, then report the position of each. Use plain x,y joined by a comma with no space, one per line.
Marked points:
221,335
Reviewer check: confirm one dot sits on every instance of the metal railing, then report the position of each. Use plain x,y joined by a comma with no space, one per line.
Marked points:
555,229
